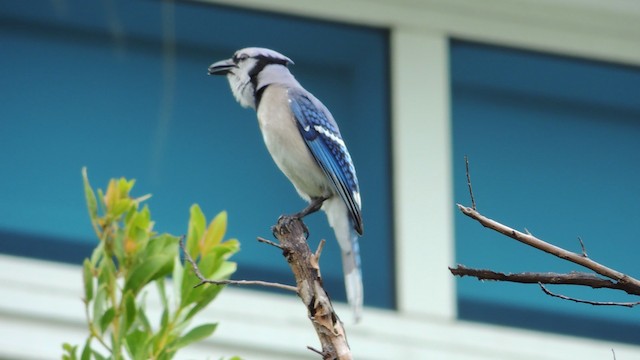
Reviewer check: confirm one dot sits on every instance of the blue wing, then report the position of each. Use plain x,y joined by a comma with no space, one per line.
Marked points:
322,136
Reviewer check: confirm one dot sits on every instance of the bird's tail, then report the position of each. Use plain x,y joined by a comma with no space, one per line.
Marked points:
353,277
339,219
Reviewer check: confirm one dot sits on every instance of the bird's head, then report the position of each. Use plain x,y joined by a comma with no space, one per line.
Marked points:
252,69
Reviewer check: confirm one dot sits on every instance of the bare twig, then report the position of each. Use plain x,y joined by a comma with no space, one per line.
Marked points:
627,283
595,303
269,242
204,280
247,282
473,200
316,351
584,250
572,278
319,250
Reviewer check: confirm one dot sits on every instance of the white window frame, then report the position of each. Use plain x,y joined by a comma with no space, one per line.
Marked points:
40,304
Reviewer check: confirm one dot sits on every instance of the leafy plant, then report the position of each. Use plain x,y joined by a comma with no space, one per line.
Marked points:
130,260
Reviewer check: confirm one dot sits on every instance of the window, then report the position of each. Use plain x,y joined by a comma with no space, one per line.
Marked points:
553,145
122,88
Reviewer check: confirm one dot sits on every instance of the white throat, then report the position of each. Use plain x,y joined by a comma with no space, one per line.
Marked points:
244,87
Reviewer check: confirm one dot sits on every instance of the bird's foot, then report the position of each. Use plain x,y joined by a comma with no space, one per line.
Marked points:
286,220
314,205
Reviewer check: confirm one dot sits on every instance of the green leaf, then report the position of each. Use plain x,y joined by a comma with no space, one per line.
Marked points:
196,334
136,343
162,342
69,348
118,245
203,297
98,356
144,320
187,283
152,268
99,304
70,352
163,292
106,319
197,223
215,232
189,280
107,275
121,206
97,254
86,351
177,277
164,320
90,196
227,248
164,244
130,310
139,226
209,263
225,270
125,186
87,276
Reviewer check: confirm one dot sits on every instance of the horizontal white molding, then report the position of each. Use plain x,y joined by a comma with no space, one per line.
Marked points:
604,30
40,308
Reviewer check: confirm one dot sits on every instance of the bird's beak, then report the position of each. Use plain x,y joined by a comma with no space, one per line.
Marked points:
221,67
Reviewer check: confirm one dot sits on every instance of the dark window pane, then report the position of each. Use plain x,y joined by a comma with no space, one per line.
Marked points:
122,88
554,149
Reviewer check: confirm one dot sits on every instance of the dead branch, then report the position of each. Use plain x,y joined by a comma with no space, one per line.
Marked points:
590,302
625,282
203,280
290,232
618,280
572,278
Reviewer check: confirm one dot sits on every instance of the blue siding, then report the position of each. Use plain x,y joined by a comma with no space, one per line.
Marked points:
554,148
100,84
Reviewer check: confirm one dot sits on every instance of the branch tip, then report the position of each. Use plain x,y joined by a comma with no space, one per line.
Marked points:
319,249
269,242
590,302
473,200
584,250
316,351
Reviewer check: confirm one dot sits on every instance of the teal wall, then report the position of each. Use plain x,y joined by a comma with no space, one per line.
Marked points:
554,146
98,84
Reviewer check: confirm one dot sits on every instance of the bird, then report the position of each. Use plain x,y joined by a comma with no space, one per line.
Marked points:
305,143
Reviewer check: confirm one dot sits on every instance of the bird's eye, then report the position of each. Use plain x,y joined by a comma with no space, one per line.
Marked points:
239,57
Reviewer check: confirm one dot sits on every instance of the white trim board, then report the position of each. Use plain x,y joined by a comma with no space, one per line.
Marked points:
422,174
40,308
603,30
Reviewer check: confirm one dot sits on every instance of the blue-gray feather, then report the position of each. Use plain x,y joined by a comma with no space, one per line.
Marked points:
323,139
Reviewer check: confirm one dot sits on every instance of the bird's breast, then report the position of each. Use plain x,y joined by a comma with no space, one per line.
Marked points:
286,145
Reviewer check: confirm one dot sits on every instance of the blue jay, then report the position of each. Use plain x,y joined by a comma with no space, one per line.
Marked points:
305,143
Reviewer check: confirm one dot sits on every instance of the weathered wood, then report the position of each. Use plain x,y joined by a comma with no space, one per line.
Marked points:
291,233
